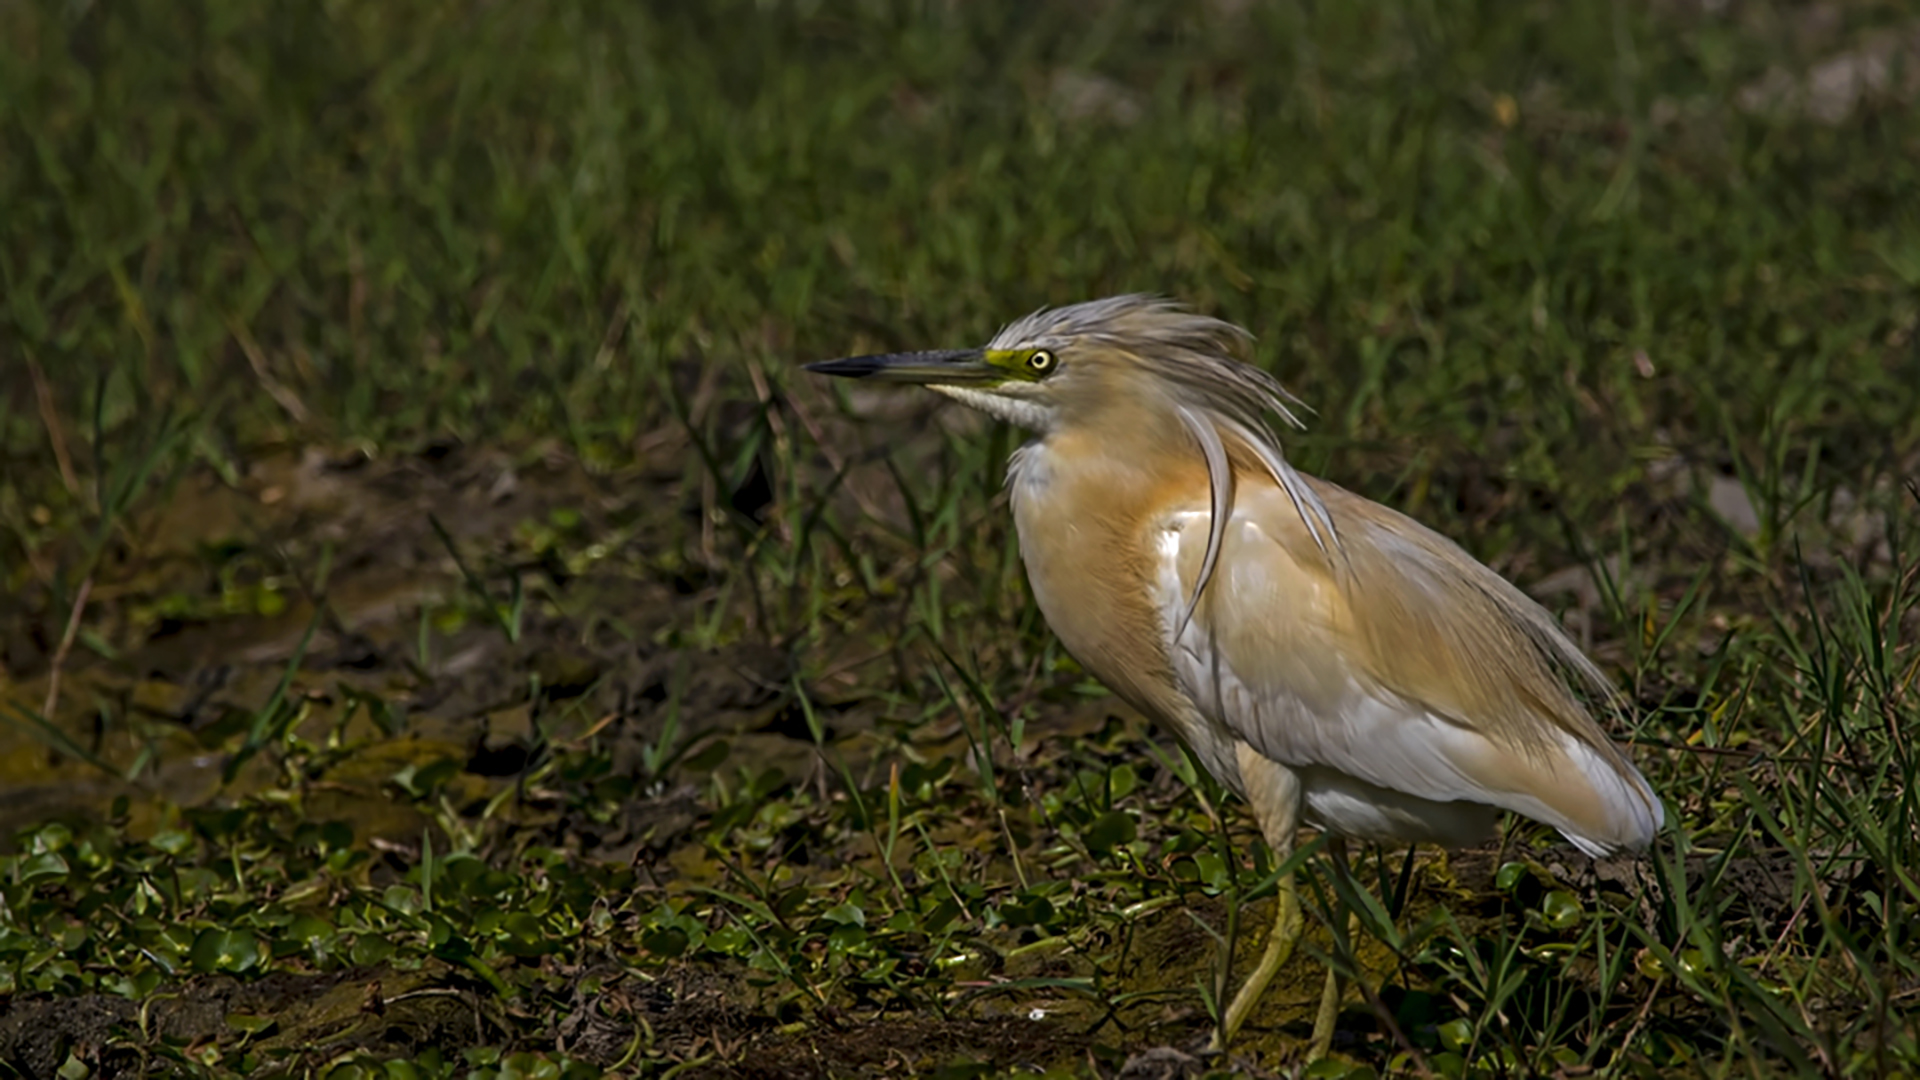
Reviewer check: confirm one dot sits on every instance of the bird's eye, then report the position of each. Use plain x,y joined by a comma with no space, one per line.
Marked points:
1041,362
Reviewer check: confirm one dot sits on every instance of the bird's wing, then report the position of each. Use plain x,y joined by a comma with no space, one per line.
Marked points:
1397,659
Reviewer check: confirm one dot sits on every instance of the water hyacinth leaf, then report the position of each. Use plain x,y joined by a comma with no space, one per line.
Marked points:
370,949
225,950
51,837
1030,911
46,866
846,914
523,928
1111,830
175,842
666,942
1560,909
307,927
941,916
1509,875
1213,871
403,899
791,902
730,940
457,873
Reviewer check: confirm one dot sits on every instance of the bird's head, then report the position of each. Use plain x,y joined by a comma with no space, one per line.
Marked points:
1138,351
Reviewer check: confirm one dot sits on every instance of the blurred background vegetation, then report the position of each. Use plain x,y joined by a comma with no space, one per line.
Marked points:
440,632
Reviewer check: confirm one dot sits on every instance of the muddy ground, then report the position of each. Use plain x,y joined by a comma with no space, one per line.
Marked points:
207,593
205,602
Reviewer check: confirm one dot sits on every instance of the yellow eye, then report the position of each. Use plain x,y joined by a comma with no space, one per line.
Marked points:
1040,362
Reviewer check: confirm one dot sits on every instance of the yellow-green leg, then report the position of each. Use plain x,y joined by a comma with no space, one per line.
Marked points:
1336,986
1273,791
1281,940
1288,927
1330,995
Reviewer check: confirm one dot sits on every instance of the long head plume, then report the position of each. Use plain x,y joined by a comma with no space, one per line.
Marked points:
1039,371
1203,368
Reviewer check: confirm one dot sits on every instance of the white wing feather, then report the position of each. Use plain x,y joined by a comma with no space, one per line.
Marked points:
1373,764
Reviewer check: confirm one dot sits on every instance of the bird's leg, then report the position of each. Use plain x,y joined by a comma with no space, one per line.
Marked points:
1274,793
1280,942
1336,986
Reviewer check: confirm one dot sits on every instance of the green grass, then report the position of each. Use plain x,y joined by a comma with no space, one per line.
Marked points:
1549,288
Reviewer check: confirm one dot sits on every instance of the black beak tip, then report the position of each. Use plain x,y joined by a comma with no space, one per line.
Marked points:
852,367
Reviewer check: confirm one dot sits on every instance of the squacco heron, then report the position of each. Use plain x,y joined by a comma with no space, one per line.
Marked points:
1330,660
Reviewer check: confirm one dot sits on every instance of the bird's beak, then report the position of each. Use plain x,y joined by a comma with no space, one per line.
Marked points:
947,367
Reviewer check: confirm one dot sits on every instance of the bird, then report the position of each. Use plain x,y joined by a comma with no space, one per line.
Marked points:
1334,663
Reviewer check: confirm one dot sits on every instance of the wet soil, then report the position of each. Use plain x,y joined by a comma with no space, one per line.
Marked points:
333,579
211,597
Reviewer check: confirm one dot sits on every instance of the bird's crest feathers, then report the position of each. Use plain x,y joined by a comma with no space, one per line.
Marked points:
1205,366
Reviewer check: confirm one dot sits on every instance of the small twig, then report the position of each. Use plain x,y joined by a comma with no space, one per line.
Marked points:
709,513
50,416
1013,849
275,389
843,666
610,338
1640,1017
1780,942
66,646
580,741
